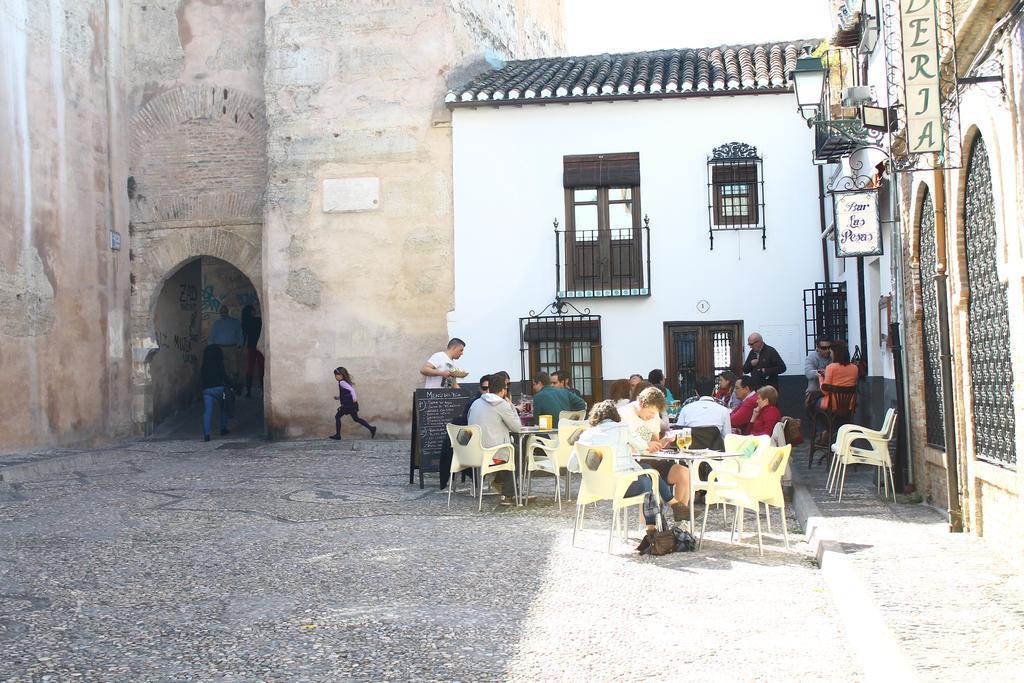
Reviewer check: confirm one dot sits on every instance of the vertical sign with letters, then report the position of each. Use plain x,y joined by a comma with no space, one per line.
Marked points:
858,228
919,21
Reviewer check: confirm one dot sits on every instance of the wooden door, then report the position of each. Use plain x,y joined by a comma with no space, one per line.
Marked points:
696,353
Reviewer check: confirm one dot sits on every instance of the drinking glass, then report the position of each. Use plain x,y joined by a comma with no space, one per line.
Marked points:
684,439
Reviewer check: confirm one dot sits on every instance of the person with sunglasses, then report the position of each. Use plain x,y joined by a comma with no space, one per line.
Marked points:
816,362
814,369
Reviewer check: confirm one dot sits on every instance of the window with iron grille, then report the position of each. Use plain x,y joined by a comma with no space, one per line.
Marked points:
735,190
564,343
603,243
933,406
824,313
988,327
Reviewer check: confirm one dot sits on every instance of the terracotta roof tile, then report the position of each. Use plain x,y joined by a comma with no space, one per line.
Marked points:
727,68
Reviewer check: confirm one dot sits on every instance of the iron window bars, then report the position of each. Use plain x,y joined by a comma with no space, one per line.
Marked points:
564,338
735,190
824,313
603,263
933,404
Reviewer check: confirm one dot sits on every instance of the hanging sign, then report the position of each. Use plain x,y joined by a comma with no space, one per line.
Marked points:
858,226
919,20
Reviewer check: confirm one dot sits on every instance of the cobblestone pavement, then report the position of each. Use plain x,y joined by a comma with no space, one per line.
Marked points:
953,604
297,561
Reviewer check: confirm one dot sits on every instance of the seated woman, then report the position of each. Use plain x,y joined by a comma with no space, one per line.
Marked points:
725,393
607,429
643,417
839,373
618,392
766,415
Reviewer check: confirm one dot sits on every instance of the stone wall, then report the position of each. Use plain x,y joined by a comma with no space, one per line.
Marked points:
64,352
198,161
178,320
357,243
992,495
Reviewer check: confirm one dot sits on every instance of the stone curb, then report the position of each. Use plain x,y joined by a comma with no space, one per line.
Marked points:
59,464
876,648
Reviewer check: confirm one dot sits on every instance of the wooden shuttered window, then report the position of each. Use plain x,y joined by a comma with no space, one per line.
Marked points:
601,170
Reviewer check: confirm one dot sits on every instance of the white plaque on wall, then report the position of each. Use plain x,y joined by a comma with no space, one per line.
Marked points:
351,194
858,227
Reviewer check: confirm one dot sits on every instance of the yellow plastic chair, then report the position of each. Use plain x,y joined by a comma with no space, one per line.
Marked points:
600,481
748,489
472,455
571,415
875,453
554,456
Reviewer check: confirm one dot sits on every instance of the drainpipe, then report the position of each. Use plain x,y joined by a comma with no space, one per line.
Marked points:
821,218
955,513
904,449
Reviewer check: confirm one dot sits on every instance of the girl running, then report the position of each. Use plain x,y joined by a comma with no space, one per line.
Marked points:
349,404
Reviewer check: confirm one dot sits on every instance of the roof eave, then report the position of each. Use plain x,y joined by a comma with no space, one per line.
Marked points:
632,97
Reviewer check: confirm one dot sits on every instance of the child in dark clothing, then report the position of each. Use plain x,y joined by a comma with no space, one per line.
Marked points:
349,404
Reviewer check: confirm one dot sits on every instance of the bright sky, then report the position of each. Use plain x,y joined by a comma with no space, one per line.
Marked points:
596,26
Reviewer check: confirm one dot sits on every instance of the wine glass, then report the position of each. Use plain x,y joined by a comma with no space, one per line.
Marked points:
684,439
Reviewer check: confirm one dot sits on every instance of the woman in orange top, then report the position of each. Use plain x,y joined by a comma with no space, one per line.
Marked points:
839,373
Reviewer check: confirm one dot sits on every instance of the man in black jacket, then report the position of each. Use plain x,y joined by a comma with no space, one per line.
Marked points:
763,362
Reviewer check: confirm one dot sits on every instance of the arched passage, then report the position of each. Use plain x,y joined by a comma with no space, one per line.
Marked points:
185,309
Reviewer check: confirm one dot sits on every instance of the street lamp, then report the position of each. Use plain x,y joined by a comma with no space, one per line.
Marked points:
809,84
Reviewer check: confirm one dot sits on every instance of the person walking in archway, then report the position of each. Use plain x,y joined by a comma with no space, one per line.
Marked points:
226,333
349,404
252,327
213,380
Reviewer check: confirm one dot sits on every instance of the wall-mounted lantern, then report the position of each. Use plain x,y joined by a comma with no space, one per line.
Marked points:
809,84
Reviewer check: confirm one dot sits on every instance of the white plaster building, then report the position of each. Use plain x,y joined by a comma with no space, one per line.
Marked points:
521,140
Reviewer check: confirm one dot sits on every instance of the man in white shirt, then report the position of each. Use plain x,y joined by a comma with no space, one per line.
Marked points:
706,412
438,368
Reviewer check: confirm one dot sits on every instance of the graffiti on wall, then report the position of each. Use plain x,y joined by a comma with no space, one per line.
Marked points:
184,342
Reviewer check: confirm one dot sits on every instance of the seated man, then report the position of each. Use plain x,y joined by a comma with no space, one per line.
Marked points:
657,379
642,418
560,380
497,419
706,412
549,400
744,412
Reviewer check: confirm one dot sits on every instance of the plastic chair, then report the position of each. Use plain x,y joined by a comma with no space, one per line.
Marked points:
600,481
842,406
473,455
555,456
747,490
876,453
576,415
738,443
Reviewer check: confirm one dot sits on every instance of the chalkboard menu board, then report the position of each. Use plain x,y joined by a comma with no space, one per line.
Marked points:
432,409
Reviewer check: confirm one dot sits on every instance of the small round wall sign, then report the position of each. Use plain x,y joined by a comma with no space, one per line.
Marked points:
703,306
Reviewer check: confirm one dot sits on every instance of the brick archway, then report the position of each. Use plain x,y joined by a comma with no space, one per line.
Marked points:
166,252
198,155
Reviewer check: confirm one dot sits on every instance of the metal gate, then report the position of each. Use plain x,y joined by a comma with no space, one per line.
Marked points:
824,313
933,407
988,327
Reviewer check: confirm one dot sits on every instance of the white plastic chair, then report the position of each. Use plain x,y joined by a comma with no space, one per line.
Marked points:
576,415
472,455
555,456
748,489
600,481
735,443
876,453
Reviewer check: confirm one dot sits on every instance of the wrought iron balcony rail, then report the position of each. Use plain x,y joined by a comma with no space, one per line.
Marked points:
603,263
